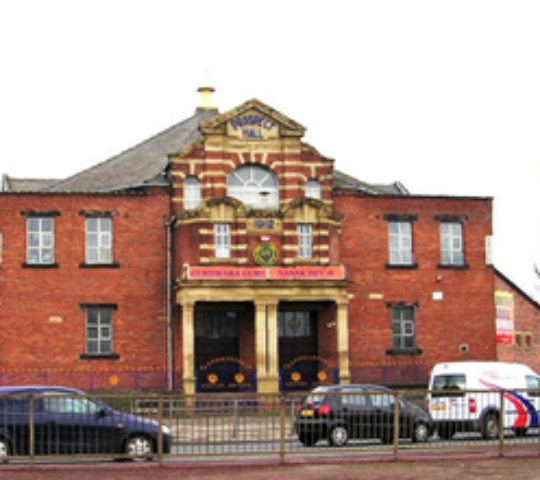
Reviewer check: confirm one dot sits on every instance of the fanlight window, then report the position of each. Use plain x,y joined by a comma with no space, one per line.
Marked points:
254,186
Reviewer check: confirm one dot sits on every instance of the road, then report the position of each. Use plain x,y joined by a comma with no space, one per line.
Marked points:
515,467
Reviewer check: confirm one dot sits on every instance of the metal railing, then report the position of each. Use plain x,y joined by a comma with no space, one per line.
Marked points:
165,425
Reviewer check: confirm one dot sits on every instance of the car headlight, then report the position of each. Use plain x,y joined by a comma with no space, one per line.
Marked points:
165,430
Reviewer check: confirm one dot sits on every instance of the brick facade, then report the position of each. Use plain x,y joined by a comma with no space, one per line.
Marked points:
157,240
43,321
457,326
524,338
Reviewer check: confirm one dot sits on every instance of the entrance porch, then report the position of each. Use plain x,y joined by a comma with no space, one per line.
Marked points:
264,338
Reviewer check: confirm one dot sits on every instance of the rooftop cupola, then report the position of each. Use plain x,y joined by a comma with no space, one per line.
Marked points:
206,101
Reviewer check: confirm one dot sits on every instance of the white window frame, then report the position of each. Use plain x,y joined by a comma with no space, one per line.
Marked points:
99,331
403,324
255,186
313,189
400,242
305,240
192,193
40,240
451,241
99,240
222,240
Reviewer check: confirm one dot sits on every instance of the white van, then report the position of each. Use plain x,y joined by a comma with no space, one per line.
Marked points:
466,397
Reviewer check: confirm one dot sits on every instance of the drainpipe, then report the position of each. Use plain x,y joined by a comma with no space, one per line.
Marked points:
170,354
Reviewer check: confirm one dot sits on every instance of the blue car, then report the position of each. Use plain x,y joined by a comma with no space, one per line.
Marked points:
65,421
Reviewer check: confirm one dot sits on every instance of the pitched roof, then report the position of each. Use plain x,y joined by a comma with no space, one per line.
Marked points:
10,184
140,165
346,182
517,289
145,163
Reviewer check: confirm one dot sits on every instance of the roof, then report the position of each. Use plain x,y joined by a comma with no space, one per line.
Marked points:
146,163
517,289
141,165
357,386
36,390
10,184
346,182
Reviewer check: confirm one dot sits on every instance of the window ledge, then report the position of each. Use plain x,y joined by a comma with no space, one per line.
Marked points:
404,351
305,262
397,266
461,266
89,356
99,265
40,265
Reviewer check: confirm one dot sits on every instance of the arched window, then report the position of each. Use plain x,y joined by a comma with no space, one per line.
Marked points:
192,193
313,189
255,186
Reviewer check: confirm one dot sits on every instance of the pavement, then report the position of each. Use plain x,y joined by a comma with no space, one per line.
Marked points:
520,465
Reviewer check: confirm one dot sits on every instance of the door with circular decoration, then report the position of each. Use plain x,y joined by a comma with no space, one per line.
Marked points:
298,361
216,349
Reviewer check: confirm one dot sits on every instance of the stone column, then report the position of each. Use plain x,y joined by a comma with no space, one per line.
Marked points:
266,347
188,348
342,325
272,341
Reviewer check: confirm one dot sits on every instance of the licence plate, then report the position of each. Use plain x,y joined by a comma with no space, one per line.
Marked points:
438,408
306,413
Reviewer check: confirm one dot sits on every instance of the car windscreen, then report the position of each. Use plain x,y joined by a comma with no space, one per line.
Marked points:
315,398
448,385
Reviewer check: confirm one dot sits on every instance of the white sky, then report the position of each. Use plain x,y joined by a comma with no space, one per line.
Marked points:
443,96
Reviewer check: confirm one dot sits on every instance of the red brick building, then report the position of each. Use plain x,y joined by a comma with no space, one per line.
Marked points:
518,320
225,253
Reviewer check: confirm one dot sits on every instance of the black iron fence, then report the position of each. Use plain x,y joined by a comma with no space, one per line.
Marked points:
53,424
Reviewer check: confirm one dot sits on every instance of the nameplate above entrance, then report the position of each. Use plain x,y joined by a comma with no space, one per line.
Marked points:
253,126
269,273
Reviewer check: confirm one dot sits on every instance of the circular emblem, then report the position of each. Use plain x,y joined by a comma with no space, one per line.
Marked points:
239,378
295,377
265,254
114,381
322,376
212,378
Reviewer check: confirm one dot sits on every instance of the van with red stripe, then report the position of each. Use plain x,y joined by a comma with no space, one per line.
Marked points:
483,397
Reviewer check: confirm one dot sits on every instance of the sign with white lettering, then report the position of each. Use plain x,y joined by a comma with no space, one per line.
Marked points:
504,317
269,273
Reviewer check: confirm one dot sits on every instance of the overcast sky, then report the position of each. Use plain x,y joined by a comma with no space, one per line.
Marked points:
443,96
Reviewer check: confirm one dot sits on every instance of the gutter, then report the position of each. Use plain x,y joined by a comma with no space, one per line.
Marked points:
170,346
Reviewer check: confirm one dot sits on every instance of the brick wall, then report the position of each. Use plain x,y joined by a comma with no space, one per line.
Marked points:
43,325
525,343
458,326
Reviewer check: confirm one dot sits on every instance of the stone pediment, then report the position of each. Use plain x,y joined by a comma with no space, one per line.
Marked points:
253,120
310,210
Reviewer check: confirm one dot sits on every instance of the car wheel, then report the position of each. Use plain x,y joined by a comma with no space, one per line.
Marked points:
420,433
339,436
490,427
5,450
308,440
139,448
